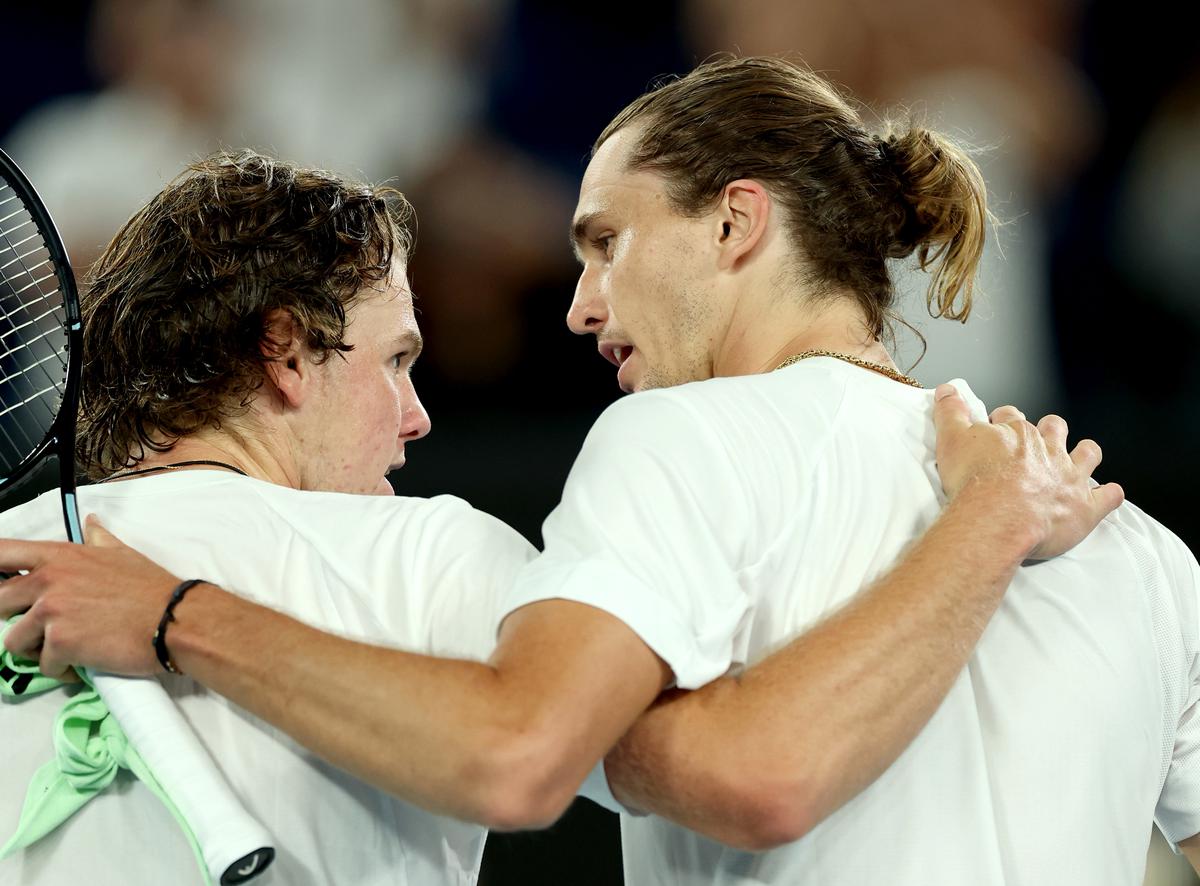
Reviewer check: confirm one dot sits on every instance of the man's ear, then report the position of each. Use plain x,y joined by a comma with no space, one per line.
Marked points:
742,213
287,367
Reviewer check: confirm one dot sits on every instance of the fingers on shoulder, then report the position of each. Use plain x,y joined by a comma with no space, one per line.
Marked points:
1006,415
1108,497
1087,455
1054,429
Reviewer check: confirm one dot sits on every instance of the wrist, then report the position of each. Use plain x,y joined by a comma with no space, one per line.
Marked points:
190,636
1002,517
159,640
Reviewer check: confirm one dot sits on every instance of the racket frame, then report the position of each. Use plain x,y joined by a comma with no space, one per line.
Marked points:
227,818
60,438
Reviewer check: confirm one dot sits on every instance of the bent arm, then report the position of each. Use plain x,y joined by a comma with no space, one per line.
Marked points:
758,760
506,743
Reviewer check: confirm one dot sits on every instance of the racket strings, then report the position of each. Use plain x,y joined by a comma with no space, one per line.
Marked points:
33,339
19,257
53,298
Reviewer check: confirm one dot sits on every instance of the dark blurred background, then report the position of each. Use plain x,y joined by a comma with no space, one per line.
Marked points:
1087,115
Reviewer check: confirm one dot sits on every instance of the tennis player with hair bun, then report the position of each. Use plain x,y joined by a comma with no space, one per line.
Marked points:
740,512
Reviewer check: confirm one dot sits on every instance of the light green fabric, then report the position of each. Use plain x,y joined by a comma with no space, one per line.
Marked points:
19,677
89,749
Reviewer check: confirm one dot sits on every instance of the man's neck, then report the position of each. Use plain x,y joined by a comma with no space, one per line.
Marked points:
763,335
235,451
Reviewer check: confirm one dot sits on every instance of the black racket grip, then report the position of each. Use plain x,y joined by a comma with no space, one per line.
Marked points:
248,867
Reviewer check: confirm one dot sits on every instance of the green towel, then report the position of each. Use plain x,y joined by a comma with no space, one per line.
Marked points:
89,748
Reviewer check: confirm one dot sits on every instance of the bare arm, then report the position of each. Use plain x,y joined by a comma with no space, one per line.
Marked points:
508,743
758,760
505,743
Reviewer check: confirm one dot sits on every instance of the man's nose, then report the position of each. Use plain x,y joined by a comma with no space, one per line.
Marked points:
588,312
415,423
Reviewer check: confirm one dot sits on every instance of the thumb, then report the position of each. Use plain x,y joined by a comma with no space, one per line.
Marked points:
97,536
950,410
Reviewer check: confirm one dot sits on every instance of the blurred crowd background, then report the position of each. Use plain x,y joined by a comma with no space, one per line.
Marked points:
1086,116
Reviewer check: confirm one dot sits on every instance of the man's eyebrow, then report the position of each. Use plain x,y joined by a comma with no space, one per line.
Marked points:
579,231
410,342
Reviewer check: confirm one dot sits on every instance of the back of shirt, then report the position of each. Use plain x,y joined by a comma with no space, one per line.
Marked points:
423,575
741,511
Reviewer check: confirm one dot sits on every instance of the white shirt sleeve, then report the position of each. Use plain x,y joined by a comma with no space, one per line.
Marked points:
652,528
473,560
436,573
1178,810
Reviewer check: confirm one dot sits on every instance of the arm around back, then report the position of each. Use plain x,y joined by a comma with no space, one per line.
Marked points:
505,743
756,761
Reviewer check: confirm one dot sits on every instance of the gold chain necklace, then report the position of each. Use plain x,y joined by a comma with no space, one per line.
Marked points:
894,374
175,466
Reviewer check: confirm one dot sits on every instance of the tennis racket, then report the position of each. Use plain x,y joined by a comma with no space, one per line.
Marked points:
40,355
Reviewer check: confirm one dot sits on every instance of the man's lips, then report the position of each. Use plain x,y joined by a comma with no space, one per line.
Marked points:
615,352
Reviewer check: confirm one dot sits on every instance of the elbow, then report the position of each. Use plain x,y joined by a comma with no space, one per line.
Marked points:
524,806
519,782
771,822
762,814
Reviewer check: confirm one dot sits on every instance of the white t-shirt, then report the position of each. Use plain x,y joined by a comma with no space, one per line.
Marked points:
720,519
422,574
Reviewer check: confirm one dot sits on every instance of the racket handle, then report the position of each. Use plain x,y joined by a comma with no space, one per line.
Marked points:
236,848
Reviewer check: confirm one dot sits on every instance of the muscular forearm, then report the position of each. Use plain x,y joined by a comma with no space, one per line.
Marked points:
502,745
759,759
365,708
505,743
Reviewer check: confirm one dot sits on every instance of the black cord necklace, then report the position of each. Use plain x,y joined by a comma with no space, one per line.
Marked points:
174,466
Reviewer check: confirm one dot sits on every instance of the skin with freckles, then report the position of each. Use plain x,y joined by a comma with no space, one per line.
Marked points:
337,422
362,406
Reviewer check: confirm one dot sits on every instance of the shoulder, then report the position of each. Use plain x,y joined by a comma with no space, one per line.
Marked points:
1161,558
41,518
803,398
374,518
651,414
1175,556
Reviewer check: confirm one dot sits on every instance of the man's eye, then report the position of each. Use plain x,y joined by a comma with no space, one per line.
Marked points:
604,244
398,360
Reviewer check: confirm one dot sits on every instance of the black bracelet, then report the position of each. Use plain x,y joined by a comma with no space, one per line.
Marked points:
160,636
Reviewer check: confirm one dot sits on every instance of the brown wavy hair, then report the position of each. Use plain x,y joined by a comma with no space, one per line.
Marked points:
175,309
853,198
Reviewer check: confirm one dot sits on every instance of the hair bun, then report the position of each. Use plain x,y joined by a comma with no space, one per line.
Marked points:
901,230
935,207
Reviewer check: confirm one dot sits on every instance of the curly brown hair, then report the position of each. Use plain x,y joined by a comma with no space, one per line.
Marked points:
176,308
853,198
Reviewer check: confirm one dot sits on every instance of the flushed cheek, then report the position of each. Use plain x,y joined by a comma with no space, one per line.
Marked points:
365,456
